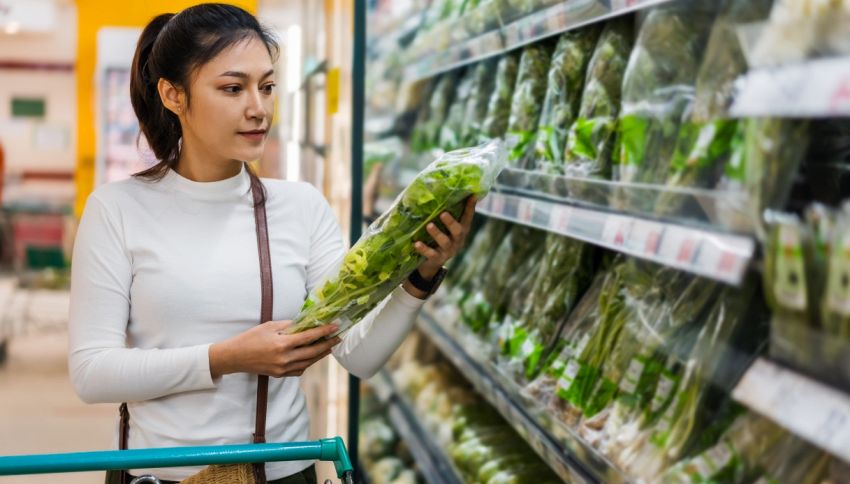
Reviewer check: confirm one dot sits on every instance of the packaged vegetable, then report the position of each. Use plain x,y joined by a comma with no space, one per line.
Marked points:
563,95
499,106
427,133
475,111
706,136
527,102
450,131
658,89
766,151
590,141
563,274
385,255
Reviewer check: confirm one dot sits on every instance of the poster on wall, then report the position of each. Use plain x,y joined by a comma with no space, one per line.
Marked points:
123,155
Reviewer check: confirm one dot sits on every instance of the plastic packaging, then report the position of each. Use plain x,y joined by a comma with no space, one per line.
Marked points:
567,72
385,255
658,89
705,140
590,141
527,102
450,131
564,272
475,111
427,132
499,106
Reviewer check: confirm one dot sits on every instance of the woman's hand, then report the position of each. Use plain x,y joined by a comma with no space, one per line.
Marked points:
448,245
266,349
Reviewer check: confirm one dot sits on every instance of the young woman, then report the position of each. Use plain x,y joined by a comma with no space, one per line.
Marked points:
165,292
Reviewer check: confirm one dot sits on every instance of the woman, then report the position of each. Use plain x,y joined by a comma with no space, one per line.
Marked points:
165,290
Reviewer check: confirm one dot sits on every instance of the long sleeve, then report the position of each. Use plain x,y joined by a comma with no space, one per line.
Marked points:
102,368
367,346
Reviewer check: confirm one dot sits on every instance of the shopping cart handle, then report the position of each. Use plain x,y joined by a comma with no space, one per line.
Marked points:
332,450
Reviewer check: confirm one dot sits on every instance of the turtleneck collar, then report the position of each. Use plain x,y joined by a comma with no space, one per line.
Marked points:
228,189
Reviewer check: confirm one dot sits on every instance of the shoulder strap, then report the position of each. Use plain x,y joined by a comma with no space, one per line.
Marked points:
266,305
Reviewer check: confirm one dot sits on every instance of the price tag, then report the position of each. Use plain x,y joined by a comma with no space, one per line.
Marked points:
559,219
679,246
806,407
621,4
645,237
497,204
839,102
525,211
616,230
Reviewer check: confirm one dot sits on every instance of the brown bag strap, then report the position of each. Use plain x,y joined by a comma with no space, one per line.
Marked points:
123,429
266,306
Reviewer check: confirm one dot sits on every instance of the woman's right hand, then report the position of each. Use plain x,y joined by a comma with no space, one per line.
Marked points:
266,349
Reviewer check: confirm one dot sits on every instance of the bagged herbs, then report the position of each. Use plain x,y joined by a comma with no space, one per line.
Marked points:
475,111
706,137
658,89
499,106
527,102
563,95
590,141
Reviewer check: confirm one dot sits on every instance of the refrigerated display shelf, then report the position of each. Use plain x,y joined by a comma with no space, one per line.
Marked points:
433,463
805,407
814,88
721,256
592,468
565,16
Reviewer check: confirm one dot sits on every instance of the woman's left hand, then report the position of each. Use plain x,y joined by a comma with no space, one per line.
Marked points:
448,245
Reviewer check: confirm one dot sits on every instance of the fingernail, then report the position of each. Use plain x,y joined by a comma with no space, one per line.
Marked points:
432,226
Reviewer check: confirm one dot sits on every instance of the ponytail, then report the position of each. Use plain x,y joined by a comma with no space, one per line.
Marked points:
160,127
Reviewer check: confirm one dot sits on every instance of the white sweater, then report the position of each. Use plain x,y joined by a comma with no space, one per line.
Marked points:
161,270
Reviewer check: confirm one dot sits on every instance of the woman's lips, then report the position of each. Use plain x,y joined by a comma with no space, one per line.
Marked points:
255,135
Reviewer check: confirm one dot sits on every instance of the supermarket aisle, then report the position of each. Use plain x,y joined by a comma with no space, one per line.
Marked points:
39,411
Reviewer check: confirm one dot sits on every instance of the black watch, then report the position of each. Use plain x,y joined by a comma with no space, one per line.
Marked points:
424,285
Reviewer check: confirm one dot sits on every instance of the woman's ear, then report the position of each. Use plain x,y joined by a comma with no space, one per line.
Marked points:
173,98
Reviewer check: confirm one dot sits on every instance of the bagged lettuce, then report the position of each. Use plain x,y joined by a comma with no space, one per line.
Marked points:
706,137
450,131
427,132
385,255
564,272
527,102
658,89
499,106
475,111
590,140
563,95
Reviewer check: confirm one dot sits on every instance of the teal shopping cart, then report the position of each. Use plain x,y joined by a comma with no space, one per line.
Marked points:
330,450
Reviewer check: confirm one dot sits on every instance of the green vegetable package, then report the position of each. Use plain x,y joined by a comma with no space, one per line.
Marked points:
590,141
658,90
563,94
385,255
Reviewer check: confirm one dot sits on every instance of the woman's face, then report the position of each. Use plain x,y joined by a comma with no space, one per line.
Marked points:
231,103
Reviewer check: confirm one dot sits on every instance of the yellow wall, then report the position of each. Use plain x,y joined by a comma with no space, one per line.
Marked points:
91,16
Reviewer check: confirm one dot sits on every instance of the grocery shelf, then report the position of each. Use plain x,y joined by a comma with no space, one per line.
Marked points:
814,88
562,460
808,408
432,461
559,18
711,253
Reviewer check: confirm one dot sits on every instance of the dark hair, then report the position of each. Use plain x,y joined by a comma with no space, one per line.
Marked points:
172,47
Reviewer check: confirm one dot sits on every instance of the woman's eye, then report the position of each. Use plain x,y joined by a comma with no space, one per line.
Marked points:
268,88
232,89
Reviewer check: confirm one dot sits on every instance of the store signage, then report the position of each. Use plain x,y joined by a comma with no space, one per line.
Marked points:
31,16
